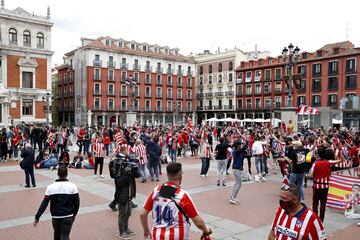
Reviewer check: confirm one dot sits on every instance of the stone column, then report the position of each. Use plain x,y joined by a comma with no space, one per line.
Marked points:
225,115
163,118
206,116
117,118
141,119
215,115
103,118
174,119
184,120
193,118
89,114
236,116
153,118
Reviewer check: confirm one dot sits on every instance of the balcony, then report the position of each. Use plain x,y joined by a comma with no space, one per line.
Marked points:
136,67
123,94
333,105
209,95
169,96
158,82
188,97
229,93
333,72
112,93
169,109
257,106
147,95
97,92
316,88
218,107
169,71
123,108
159,95
248,93
277,105
148,81
159,109
267,106
277,77
179,97
220,84
111,64
124,66
148,68
229,107
159,69
189,73
65,94
248,106
239,94
277,90
267,91
97,77
97,63
239,81
97,107
111,108
189,109
169,83
350,70
180,84
208,107
111,78
180,72
219,94
200,96
248,80
267,79
200,108
257,79
257,93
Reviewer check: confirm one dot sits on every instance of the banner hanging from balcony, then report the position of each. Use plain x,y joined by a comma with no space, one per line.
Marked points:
307,110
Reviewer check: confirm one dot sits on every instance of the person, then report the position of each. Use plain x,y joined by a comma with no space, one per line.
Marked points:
99,152
125,191
239,149
64,204
49,161
221,161
293,220
153,151
258,153
205,156
171,208
64,158
27,164
77,161
141,158
89,163
321,173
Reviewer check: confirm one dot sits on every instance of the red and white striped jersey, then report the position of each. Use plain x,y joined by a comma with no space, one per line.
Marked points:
119,137
99,150
321,174
304,225
168,222
140,153
229,153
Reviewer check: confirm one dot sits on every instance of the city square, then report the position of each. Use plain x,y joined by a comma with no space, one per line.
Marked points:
182,120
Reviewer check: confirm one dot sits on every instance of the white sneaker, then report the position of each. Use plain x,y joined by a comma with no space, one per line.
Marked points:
202,175
95,177
102,176
257,178
232,201
262,178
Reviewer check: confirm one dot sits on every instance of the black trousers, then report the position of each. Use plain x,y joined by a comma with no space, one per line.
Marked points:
29,172
99,161
320,195
62,228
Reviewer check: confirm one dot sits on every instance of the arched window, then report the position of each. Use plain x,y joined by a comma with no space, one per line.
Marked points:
12,35
40,40
210,68
220,67
231,66
27,38
201,70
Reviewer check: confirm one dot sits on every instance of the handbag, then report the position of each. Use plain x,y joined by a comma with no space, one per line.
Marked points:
21,164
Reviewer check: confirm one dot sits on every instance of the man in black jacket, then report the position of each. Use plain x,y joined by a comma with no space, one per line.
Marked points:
64,206
153,151
27,164
125,191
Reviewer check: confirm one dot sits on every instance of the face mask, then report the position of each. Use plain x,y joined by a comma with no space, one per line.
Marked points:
286,205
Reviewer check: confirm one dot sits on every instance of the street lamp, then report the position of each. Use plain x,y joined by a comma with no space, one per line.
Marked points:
291,54
46,99
131,82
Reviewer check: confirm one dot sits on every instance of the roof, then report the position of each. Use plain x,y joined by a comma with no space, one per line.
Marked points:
98,44
347,48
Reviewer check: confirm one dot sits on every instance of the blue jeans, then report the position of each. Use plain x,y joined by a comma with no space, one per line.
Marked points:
51,162
259,163
29,173
173,154
107,149
142,171
205,164
298,179
154,169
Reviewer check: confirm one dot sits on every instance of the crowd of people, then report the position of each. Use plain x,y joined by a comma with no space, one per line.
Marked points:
299,156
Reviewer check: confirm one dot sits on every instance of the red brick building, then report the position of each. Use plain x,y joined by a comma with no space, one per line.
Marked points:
92,86
329,77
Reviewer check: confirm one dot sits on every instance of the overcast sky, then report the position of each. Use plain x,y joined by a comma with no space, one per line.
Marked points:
195,25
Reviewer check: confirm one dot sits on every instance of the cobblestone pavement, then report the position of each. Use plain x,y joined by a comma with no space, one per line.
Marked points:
250,219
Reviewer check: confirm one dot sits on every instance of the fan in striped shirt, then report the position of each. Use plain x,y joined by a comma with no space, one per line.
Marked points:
141,158
294,220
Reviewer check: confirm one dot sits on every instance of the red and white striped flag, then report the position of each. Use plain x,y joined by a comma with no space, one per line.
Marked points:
119,137
304,110
189,125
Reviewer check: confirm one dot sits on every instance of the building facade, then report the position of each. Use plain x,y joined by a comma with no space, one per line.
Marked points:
25,69
215,86
92,85
328,77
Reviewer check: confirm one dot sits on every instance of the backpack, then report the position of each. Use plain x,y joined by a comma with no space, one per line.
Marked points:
112,168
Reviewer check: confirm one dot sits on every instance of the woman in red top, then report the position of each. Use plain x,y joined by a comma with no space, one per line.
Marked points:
107,143
15,141
354,158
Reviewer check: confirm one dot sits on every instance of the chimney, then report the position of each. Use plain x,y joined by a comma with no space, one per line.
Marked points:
48,12
256,52
2,4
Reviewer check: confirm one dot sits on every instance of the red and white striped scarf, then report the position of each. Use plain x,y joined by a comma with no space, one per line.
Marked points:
140,153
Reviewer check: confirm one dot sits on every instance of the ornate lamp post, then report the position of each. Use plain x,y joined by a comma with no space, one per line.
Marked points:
291,54
47,109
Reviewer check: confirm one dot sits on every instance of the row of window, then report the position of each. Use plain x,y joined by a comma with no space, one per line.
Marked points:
136,66
220,79
316,70
147,79
219,69
13,38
